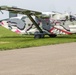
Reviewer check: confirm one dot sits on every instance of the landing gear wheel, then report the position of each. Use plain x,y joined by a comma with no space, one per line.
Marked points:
52,35
37,36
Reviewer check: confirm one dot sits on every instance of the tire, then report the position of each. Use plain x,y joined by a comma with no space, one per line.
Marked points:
52,35
42,35
37,36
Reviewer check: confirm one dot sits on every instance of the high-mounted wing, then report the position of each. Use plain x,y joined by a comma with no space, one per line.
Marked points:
19,10
23,11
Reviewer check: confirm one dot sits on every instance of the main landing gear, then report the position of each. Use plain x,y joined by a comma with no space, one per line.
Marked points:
41,35
52,35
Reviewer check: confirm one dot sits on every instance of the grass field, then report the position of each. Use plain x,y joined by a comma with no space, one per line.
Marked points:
10,40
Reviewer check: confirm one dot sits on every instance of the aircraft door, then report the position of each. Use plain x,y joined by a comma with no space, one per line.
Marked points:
46,24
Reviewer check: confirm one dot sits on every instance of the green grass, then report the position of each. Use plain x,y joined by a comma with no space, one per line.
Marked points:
10,40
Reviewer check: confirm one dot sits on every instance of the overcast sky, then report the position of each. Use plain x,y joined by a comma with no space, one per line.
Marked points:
41,5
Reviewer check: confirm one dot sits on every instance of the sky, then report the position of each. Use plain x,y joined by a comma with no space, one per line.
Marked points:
41,5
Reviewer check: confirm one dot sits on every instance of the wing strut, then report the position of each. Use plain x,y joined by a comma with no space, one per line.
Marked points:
33,21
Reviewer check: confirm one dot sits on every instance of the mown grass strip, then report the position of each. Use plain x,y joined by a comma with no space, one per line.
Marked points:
10,40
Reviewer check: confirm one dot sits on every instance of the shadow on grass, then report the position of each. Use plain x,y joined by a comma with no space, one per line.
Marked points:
31,37
21,36
66,36
17,38
63,37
